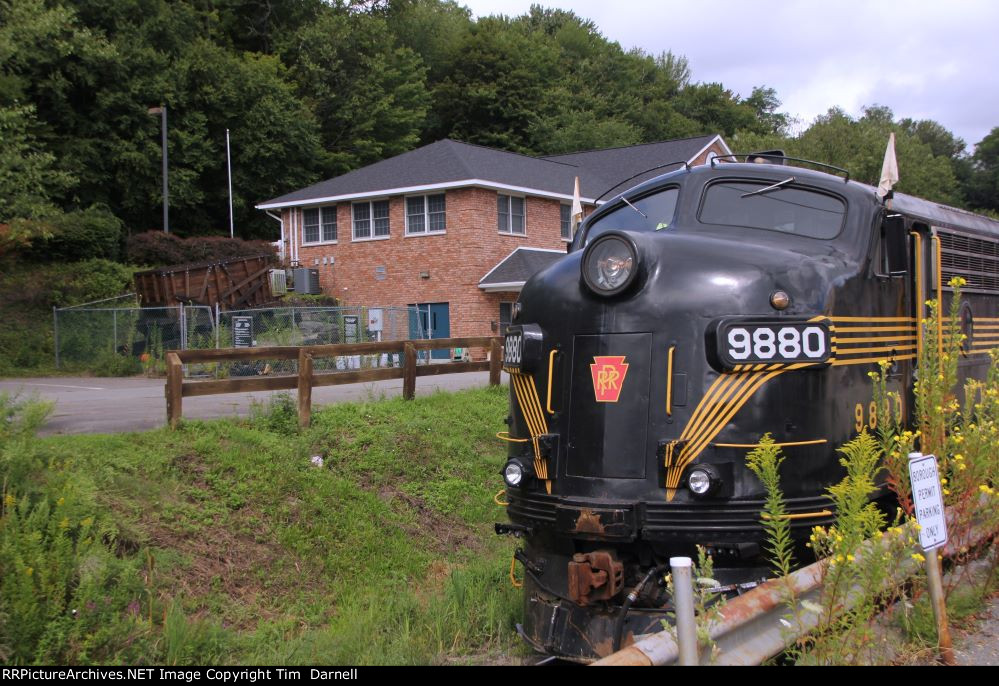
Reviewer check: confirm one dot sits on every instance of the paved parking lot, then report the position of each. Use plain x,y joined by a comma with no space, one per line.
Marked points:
112,405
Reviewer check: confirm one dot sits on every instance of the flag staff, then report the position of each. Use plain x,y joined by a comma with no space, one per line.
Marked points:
228,164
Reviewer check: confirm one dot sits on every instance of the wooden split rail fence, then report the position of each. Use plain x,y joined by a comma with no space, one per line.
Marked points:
178,388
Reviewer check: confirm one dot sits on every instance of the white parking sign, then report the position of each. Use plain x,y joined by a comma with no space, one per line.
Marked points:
927,500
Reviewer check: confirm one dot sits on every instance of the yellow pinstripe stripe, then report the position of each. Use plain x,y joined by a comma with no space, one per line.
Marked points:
695,448
518,391
528,407
706,402
872,329
877,349
872,319
541,467
711,428
865,360
878,339
708,419
690,455
536,399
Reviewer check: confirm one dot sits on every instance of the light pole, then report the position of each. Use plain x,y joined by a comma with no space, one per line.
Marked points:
162,111
228,164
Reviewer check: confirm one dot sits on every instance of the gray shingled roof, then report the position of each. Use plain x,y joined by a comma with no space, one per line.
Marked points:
519,266
619,165
448,161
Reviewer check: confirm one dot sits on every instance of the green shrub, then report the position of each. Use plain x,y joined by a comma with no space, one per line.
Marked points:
111,363
158,249
80,235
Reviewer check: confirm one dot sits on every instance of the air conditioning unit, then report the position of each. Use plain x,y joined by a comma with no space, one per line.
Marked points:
278,282
307,281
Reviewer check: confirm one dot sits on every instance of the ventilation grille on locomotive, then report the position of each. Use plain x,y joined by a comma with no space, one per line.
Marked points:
976,260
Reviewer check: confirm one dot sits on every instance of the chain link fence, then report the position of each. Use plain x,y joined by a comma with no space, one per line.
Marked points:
118,338
295,326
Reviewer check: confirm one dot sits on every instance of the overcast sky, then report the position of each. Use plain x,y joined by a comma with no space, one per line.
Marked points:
925,59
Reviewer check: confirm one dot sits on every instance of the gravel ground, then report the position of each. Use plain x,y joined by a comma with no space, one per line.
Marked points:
980,647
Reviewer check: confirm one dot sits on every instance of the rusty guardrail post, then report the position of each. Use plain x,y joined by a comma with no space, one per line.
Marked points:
409,371
174,389
495,361
304,388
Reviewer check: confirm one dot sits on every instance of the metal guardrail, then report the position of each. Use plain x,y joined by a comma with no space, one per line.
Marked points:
750,630
305,380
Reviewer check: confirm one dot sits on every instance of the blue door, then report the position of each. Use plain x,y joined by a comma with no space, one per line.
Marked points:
434,321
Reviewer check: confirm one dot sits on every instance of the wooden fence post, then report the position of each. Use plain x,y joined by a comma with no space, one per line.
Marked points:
495,361
174,389
409,371
304,388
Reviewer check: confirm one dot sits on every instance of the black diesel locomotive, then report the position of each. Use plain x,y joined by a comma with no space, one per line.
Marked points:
694,313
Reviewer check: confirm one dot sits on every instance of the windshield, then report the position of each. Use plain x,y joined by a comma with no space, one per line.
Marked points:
773,206
653,212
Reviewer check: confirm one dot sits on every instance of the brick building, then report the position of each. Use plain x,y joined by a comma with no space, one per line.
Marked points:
454,228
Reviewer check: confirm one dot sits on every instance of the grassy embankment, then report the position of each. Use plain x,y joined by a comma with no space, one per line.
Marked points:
28,291
221,543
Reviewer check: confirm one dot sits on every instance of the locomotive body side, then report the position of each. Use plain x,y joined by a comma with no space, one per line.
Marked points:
632,409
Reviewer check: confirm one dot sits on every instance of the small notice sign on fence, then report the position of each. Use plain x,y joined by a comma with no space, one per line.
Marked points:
242,332
927,500
351,328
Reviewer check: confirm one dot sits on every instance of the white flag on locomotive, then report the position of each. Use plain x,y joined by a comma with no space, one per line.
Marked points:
577,207
889,169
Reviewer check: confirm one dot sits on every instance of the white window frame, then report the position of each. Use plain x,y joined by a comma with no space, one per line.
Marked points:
427,231
371,220
565,209
509,215
322,210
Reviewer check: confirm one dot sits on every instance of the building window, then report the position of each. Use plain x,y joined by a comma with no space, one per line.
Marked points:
319,225
505,317
510,214
425,214
329,223
374,213
566,212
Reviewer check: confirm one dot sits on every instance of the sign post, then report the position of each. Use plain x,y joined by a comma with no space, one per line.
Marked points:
927,501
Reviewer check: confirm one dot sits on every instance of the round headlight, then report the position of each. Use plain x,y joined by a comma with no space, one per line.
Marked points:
610,264
699,481
513,474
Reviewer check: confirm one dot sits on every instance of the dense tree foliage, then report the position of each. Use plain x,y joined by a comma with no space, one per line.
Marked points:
858,145
314,88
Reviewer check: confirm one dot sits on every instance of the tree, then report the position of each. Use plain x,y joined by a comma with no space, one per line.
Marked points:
859,146
368,95
29,178
984,184
498,87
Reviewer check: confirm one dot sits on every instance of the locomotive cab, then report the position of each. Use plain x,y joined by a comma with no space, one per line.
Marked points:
693,314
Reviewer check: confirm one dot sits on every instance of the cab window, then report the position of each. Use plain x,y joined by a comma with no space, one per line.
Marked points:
653,212
774,207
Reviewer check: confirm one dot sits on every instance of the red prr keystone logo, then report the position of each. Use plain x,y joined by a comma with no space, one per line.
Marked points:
608,377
